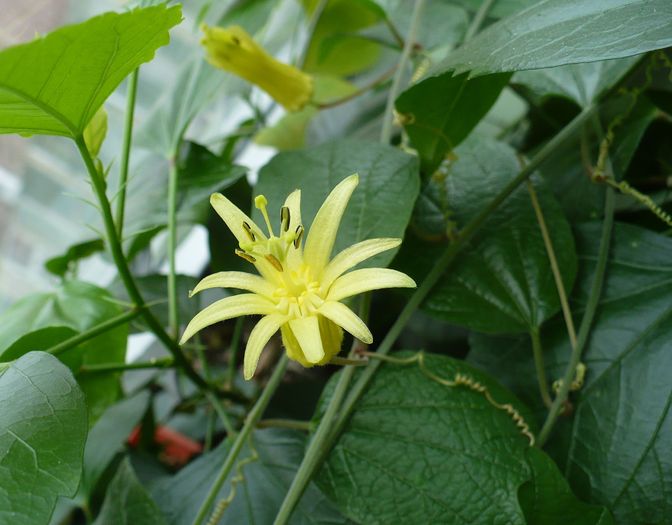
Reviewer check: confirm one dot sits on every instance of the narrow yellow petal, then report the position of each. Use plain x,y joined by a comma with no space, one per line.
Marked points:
322,235
307,333
347,319
292,346
234,218
228,308
367,279
259,336
352,256
293,204
238,280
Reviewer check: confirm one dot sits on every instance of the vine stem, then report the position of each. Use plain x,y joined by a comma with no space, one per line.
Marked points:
386,131
251,420
106,326
126,151
167,362
586,321
538,352
334,419
557,276
98,183
477,22
173,319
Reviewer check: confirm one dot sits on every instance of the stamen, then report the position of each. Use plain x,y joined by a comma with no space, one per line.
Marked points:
299,234
248,230
260,203
246,256
284,218
274,261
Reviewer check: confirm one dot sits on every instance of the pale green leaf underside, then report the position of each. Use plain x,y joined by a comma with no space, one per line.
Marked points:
42,432
55,84
557,32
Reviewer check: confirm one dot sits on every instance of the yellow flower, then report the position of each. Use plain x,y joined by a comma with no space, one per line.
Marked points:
299,290
234,50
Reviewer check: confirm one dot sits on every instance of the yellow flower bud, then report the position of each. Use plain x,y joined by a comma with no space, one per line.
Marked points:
234,50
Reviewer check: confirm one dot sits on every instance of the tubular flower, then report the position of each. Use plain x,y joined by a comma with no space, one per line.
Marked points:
234,50
299,289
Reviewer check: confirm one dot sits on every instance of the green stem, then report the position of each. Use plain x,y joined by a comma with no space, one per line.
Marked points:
166,362
557,276
221,412
153,323
173,319
586,321
251,420
126,151
293,424
479,17
386,131
540,368
94,332
233,350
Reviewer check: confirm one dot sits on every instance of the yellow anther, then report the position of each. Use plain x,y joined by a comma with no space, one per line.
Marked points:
248,230
246,256
299,234
284,218
260,203
274,261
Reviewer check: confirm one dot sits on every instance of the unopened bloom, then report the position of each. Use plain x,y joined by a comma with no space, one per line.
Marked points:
299,289
234,50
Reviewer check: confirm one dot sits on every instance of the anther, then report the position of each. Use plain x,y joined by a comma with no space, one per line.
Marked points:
299,234
246,256
284,218
248,230
274,261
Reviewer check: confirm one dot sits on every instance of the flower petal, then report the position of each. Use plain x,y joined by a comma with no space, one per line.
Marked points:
354,255
320,241
307,333
234,218
227,308
347,319
367,279
238,280
259,336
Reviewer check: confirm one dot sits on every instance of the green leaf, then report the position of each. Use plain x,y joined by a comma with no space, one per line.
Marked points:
42,431
614,448
439,112
557,32
387,180
581,83
501,283
127,501
499,8
547,499
68,261
201,173
267,465
107,438
40,321
55,84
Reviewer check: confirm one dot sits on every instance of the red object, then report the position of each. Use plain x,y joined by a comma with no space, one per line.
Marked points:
178,449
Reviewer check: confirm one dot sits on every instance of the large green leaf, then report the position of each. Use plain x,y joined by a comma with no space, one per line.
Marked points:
557,32
439,112
266,466
615,448
418,451
40,321
55,84
388,180
42,431
502,282
127,501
